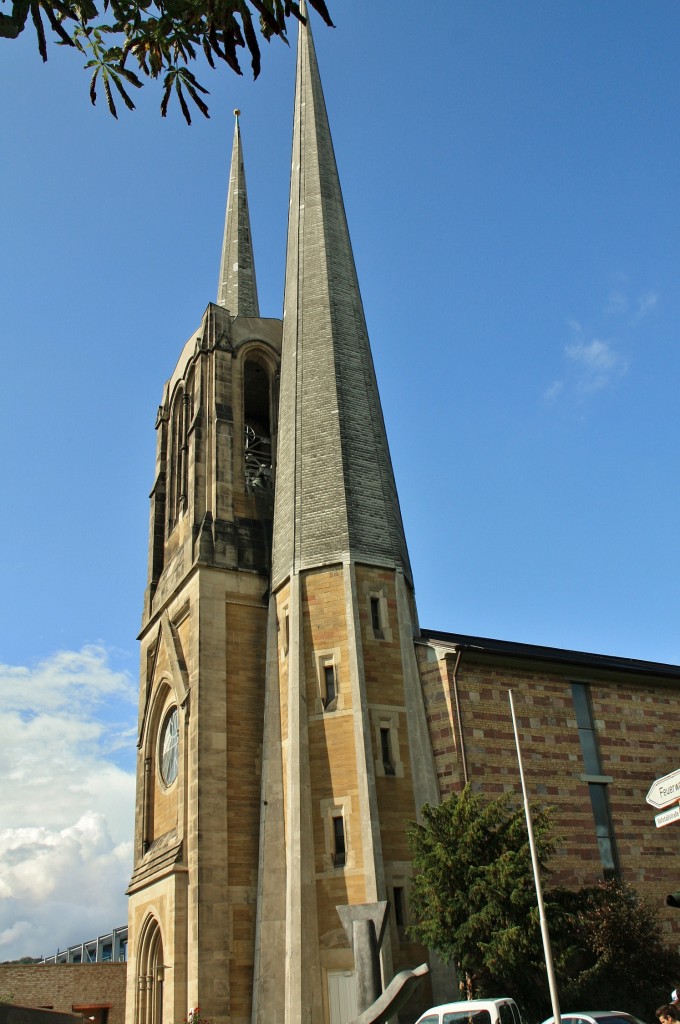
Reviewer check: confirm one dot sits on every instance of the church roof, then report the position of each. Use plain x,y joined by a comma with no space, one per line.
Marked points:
336,498
237,287
484,646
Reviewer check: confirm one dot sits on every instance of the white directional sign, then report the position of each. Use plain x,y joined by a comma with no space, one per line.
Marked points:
666,817
665,791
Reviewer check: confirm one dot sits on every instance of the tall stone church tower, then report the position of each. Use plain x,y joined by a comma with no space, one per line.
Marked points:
282,743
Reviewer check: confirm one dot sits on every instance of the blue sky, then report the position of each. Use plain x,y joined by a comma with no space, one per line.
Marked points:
510,174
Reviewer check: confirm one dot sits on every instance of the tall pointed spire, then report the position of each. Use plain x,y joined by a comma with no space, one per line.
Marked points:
237,288
336,499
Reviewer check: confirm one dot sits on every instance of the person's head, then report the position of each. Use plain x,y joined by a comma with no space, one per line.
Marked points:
667,1014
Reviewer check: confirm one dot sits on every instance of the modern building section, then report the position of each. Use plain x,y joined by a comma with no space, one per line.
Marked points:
108,948
293,717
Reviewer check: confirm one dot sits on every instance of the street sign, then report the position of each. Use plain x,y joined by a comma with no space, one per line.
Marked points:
665,791
666,817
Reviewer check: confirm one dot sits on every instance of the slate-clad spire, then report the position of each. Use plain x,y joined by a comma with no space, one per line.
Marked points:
237,288
336,498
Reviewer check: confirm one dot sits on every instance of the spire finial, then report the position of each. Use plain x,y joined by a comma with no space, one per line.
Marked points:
237,288
336,499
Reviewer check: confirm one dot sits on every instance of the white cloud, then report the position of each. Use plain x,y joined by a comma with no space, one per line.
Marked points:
645,304
598,363
553,390
65,848
621,303
617,303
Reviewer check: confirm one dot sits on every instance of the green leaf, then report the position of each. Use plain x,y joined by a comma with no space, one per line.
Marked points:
121,89
39,28
109,97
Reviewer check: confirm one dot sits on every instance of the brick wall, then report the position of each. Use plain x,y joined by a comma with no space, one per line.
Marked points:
631,716
63,986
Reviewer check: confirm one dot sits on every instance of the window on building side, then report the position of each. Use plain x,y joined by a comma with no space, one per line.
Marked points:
257,440
339,851
399,906
330,684
376,619
386,751
599,799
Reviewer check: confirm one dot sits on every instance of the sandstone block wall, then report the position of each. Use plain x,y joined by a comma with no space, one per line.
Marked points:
65,986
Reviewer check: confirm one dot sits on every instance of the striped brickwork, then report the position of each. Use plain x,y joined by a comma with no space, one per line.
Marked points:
631,716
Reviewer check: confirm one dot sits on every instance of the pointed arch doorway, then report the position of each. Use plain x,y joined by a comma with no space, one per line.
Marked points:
151,976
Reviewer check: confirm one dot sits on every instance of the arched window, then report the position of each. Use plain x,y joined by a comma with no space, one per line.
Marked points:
257,426
178,455
150,975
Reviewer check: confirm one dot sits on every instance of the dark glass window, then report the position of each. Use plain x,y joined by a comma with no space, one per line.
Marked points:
338,841
598,790
603,828
329,679
586,729
376,621
399,906
386,751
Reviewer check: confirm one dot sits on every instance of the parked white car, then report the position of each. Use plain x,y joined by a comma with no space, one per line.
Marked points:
596,1017
473,1011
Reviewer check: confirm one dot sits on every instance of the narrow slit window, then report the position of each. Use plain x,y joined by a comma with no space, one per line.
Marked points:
386,751
399,906
376,620
339,850
604,829
330,684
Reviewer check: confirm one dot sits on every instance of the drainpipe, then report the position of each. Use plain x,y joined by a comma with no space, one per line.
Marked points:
461,739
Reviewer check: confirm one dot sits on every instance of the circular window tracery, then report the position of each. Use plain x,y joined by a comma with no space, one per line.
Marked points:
168,748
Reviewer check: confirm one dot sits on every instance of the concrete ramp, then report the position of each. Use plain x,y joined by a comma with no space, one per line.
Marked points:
396,995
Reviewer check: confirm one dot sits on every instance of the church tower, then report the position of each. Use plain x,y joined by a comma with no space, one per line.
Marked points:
347,756
203,642
283,744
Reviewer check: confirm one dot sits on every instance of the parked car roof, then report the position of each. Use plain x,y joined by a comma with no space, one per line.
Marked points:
598,1016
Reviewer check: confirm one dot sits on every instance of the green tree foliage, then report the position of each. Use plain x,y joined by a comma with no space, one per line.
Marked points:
122,40
618,958
473,901
473,898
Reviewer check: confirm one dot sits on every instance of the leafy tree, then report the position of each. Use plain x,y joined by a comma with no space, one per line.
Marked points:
618,958
473,898
159,38
473,902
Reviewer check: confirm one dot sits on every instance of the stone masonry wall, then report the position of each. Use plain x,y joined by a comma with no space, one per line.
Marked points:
631,716
63,986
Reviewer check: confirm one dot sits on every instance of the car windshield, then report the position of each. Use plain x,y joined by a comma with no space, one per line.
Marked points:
467,1017
617,1018
603,1017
